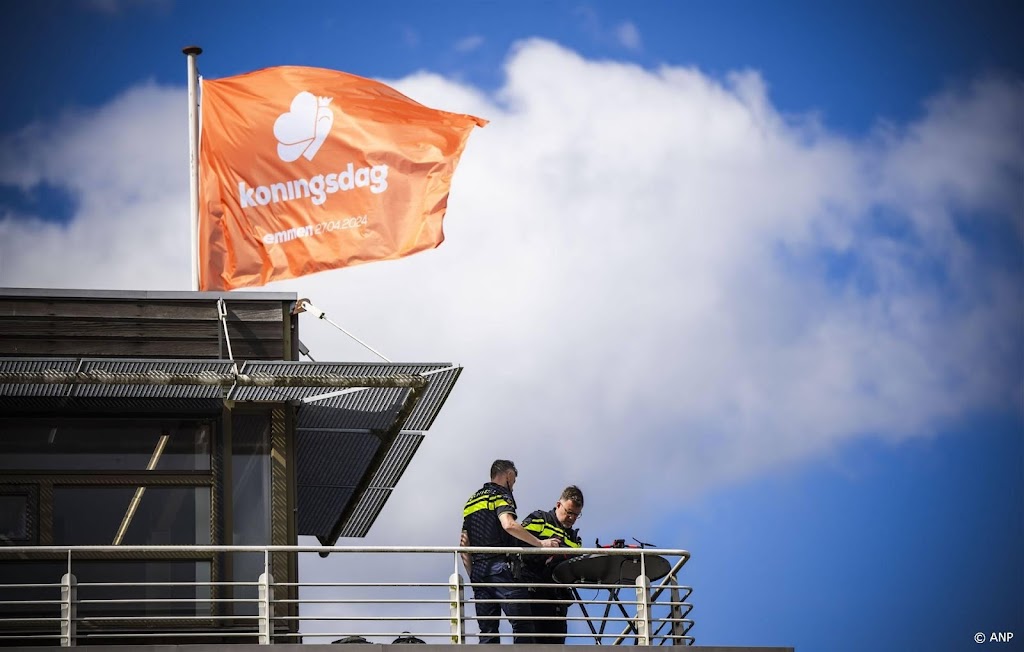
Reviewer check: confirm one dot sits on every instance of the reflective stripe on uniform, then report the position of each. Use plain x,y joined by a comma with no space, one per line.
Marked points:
481,519
544,530
483,502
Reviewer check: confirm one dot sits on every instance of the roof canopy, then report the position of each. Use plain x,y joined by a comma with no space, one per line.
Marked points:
357,425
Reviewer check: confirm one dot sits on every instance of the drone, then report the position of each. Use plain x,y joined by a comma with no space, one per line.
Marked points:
621,543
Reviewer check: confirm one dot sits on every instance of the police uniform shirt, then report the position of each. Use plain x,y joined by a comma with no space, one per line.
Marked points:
544,525
481,519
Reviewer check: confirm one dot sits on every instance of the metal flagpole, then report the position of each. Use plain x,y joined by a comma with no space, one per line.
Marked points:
193,51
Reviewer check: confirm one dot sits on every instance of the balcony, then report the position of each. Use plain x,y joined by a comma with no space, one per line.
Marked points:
417,592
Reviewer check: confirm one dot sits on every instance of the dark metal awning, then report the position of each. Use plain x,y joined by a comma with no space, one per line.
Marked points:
357,425
353,444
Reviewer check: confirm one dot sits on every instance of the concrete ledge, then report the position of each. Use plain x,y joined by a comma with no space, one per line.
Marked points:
377,647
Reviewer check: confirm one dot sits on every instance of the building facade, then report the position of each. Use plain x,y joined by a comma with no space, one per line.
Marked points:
182,420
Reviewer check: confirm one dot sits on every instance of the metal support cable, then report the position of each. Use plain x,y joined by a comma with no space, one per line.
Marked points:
222,314
304,305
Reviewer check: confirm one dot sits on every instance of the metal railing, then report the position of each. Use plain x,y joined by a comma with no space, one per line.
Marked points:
378,602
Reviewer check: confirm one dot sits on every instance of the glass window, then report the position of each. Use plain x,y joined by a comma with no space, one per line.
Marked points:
90,515
250,495
14,516
105,444
144,583
250,478
108,506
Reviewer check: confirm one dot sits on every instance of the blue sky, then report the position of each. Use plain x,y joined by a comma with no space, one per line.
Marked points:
796,295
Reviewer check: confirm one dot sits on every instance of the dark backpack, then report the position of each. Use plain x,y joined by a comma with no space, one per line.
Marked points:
406,637
351,639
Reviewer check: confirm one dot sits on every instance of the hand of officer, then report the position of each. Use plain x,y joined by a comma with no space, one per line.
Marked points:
549,543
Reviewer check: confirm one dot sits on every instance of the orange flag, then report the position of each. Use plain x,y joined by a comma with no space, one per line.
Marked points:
305,169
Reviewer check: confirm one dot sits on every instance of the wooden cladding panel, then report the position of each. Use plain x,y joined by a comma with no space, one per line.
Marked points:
134,329
137,328
130,349
11,307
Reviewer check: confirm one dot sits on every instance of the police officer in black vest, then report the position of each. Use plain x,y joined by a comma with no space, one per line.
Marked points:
552,524
489,520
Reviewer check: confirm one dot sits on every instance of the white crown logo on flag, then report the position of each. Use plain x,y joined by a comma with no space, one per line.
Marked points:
302,130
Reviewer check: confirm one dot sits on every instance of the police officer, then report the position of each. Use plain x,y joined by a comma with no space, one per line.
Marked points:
489,520
554,524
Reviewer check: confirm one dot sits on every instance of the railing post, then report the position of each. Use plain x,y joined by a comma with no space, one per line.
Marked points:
68,609
643,610
457,606
675,612
266,608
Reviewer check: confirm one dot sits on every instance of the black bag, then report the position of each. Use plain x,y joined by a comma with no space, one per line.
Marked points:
351,639
406,637
515,566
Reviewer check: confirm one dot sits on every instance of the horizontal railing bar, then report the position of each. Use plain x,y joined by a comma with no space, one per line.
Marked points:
625,603
578,586
389,635
674,637
366,634
540,601
558,618
568,601
144,634
366,601
605,618
445,618
533,585
183,617
405,632
30,586
165,600
195,584
6,602
438,618
369,584
627,552
17,637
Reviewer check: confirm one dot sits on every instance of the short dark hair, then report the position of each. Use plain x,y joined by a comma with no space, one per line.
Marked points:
500,466
573,493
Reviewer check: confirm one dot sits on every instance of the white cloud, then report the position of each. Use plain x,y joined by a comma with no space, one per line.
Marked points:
625,34
628,36
126,166
647,274
469,44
